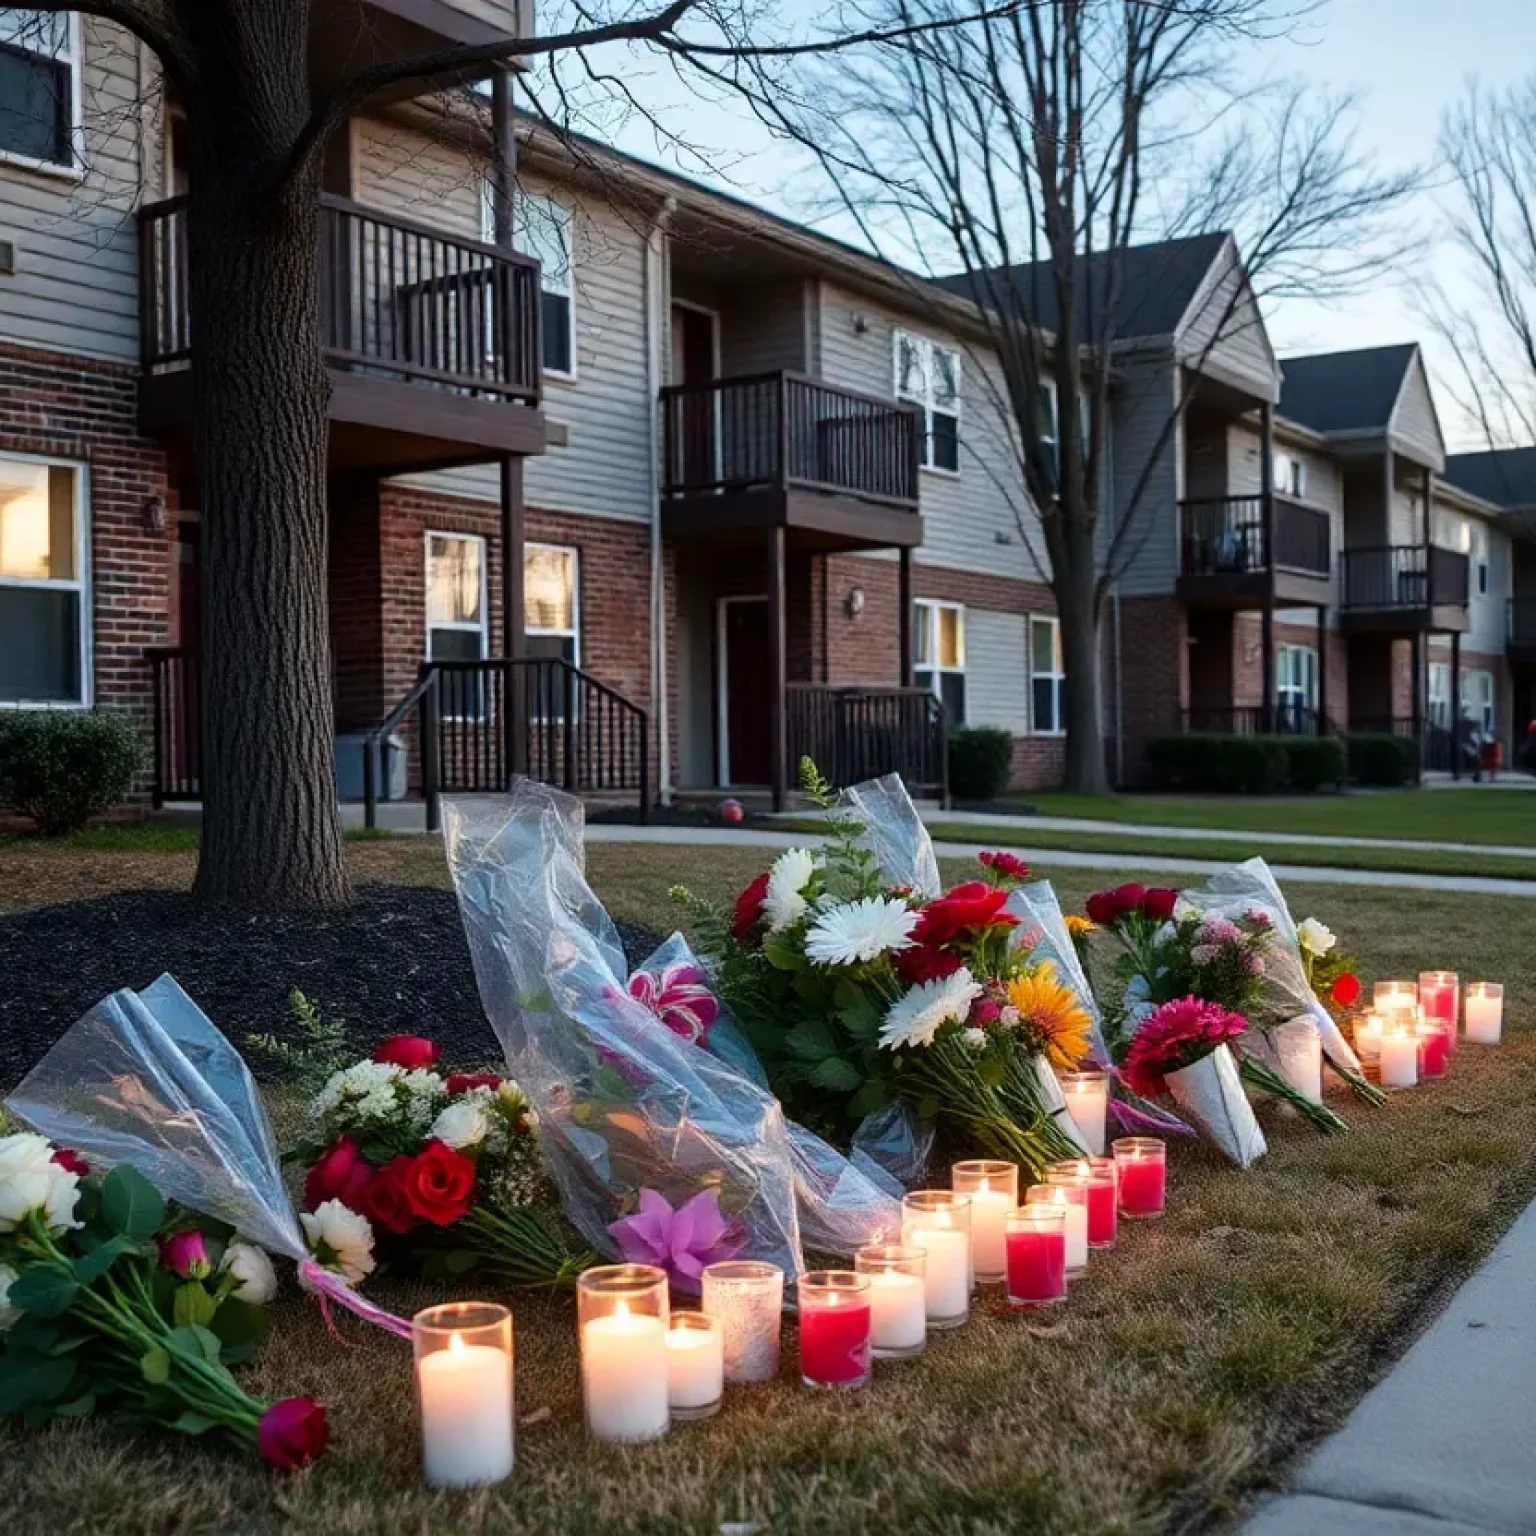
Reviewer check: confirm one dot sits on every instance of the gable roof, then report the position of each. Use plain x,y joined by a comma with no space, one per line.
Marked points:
1504,476
1345,391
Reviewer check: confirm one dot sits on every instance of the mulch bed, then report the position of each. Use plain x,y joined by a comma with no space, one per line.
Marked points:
394,962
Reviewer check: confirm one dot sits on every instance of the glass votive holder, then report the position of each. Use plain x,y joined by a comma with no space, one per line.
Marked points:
1087,1094
835,1326
1037,1256
1484,1012
463,1357
939,1222
747,1297
1389,995
1069,1194
1434,1037
621,1311
1367,1033
1141,1166
1098,1174
695,1365
1440,998
1399,1062
897,1299
994,1190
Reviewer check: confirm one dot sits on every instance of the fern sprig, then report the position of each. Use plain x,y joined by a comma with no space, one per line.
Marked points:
322,1052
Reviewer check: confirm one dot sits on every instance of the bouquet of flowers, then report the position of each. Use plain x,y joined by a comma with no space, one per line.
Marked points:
1332,975
110,1298
451,1157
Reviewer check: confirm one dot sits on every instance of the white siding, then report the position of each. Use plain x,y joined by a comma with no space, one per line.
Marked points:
76,283
503,15
996,670
1146,473
1223,334
1414,421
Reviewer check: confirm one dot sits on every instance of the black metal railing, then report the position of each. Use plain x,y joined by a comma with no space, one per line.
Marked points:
1303,538
1416,576
858,733
782,430
398,299
176,687
1521,622
1281,719
1223,535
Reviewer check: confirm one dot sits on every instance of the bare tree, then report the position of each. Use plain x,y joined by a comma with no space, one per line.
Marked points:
1023,155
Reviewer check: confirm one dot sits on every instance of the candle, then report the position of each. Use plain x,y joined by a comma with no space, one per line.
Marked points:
1141,1164
622,1310
463,1358
748,1299
1072,1200
1037,1256
1485,1012
1368,1036
835,1323
1098,1174
1440,997
994,1191
897,1299
1434,1048
1389,995
695,1365
1399,1055
939,1222
1300,1050
1087,1096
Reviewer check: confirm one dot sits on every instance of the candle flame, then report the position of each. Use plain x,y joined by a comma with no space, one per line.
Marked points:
985,1187
622,1309
455,1343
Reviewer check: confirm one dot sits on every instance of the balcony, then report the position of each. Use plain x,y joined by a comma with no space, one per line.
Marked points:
1520,635
1403,589
835,468
1226,561
431,340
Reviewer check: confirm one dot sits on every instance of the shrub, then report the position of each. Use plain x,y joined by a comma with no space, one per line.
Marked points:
59,768
1313,761
1383,761
1215,764
980,762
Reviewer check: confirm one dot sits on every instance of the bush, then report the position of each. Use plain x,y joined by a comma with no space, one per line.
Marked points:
1383,761
1207,763
1313,761
59,768
980,762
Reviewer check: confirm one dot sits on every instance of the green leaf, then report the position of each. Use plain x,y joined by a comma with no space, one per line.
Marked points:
237,1324
130,1204
77,1408
93,1265
27,1380
781,954
861,1017
43,1292
992,1072
837,1075
195,1339
191,1423
192,1306
155,1366
460,1261
872,1096
810,1040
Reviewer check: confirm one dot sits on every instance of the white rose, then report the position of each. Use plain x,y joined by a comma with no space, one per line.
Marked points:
8,1313
1315,938
30,1181
340,1239
790,874
253,1272
464,1123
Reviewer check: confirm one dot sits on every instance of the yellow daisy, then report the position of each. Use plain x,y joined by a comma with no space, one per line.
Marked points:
1052,1014
1078,926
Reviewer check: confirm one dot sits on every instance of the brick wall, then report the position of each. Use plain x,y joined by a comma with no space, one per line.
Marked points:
1154,678
1248,661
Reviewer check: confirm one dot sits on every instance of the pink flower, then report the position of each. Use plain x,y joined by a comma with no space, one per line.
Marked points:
1253,964
985,1011
1204,954
1217,930
292,1433
185,1254
1176,1035
683,1241
680,998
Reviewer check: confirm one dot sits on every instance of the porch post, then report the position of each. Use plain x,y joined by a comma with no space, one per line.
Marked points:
778,659
1455,704
904,614
1267,512
1322,669
503,157
1418,696
513,714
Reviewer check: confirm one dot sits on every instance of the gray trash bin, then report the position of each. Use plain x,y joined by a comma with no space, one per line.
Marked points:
390,775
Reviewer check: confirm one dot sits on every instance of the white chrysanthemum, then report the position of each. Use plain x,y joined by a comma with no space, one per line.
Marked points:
340,1239
30,1181
358,1081
1316,938
975,1039
860,930
784,902
463,1123
255,1279
915,1018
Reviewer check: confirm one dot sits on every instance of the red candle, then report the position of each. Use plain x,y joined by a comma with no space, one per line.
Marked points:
1440,997
1036,1258
1103,1212
1140,1163
835,1336
1434,1051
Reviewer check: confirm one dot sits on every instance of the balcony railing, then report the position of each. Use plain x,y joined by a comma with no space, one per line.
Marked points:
783,431
1522,622
852,734
1416,576
1225,535
398,300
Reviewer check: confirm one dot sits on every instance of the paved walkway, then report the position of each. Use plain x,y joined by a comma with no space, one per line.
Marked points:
1442,1447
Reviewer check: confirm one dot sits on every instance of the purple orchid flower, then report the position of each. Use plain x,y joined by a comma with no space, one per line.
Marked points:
682,1242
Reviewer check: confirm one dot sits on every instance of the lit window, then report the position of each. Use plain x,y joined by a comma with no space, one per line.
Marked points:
39,87
938,654
551,606
1046,676
43,615
928,375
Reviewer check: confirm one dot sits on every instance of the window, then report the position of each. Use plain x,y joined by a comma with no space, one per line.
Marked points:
1477,700
1290,476
928,375
1479,557
1452,532
551,604
938,659
1296,686
458,622
544,232
1046,674
40,87
43,613
1440,695
1049,429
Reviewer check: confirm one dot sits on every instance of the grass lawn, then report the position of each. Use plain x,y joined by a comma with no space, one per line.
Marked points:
1181,1377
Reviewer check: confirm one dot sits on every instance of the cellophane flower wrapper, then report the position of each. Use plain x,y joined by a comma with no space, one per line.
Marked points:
1210,1095
894,833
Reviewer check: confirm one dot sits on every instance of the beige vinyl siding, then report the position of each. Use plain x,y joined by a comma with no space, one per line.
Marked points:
1143,402
1414,421
506,16
1223,333
75,288
996,670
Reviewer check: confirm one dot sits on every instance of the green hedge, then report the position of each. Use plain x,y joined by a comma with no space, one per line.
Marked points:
1215,764
980,762
59,768
1315,761
1383,761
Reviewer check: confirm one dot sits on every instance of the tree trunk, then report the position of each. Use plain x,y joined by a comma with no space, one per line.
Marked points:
1073,580
271,831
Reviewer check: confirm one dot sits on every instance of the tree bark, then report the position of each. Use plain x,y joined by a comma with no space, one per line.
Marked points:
1074,579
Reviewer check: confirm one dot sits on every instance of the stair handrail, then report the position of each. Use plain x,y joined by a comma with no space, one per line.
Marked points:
424,692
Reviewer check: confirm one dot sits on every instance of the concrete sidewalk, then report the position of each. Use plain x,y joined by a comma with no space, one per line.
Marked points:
1443,1446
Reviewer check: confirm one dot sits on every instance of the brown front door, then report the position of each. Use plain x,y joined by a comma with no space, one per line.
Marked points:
745,699
693,362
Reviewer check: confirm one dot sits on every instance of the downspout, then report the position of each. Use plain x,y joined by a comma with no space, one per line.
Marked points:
654,333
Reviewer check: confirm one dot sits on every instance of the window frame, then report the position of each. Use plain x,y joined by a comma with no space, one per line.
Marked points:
75,168
483,628
925,611
1479,558
927,346
567,224
1058,678
574,633
1286,694
1488,721
1438,671
81,584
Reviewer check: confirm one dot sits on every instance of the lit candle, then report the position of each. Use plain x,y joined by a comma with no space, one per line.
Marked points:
993,1187
695,1365
1434,1047
939,1222
747,1297
1072,1201
1399,1055
1087,1096
1485,1012
1037,1256
464,1391
1300,1050
1368,1036
1098,1174
835,1323
623,1315
1141,1164
1389,995
897,1299
1440,998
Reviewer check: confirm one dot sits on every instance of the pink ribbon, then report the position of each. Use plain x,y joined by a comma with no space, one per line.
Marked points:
1143,1116
329,1287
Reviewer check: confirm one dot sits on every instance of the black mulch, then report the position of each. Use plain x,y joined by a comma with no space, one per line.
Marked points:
395,962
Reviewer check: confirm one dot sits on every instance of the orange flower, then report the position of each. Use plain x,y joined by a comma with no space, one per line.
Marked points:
1079,926
1051,1013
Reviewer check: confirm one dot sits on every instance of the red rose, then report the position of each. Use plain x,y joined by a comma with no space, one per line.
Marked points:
440,1184
412,1052
1346,990
71,1162
749,907
463,1082
1008,865
925,962
342,1173
292,1433
1159,902
1106,908
387,1203
972,904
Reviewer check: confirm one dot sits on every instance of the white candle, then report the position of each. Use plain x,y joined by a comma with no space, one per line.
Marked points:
624,1374
1399,1057
1300,1048
900,1311
947,1272
465,1392
1484,1008
989,1217
1087,1095
1368,1036
695,1366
